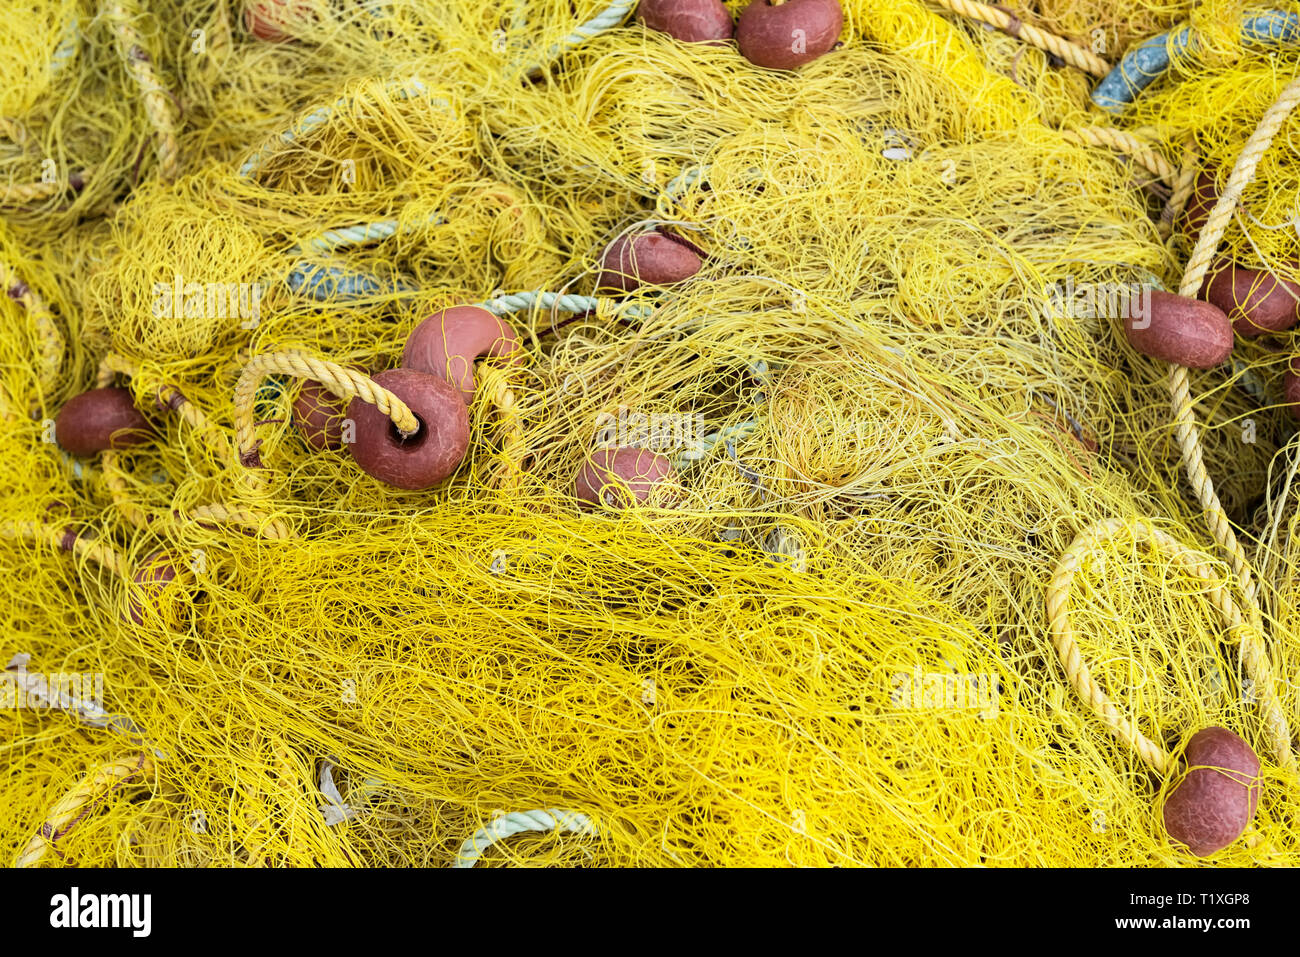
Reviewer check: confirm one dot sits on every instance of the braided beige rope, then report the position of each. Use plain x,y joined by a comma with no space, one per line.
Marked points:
237,515
190,414
50,341
26,194
215,513
1119,140
83,798
113,365
66,538
106,374
168,396
341,381
172,398
115,481
159,106
1182,190
496,386
1185,426
1239,630
222,38
1071,53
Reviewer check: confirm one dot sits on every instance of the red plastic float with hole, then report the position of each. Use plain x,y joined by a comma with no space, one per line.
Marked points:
1291,387
1205,193
423,459
319,415
447,343
649,258
691,21
621,477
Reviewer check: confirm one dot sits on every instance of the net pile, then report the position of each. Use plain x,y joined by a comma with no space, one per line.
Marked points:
832,636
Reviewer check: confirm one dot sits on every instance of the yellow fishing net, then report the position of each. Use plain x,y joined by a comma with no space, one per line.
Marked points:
928,583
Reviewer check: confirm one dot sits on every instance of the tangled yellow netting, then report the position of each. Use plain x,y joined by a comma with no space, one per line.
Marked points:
933,587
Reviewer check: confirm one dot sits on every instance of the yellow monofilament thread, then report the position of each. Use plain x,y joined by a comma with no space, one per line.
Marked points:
923,583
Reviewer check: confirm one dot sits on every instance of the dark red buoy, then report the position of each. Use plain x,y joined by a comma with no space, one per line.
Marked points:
1255,301
786,36
447,343
1205,193
149,584
271,20
691,21
99,420
1291,386
431,454
1212,806
651,259
319,415
621,477
1183,331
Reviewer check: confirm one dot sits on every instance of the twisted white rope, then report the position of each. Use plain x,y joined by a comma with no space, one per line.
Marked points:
514,302
609,18
517,822
323,281
730,433
678,187
67,47
363,234
563,302
352,236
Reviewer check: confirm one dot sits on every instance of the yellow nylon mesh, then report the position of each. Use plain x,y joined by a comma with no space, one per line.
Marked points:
829,644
